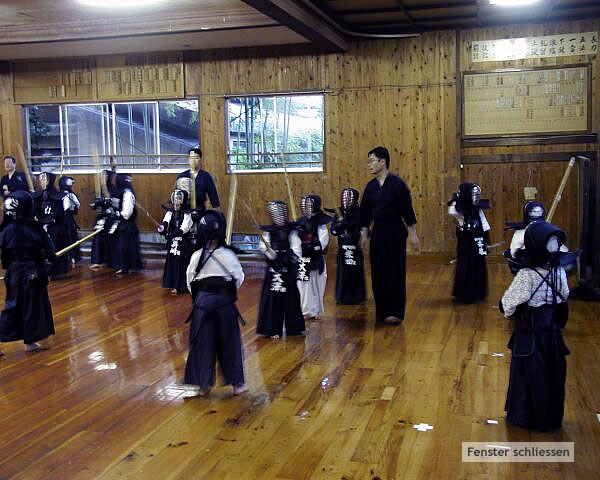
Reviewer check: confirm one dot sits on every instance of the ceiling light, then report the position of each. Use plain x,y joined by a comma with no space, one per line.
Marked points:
119,3
512,3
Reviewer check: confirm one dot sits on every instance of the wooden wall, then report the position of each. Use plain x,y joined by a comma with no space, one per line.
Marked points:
398,93
401,94
504,182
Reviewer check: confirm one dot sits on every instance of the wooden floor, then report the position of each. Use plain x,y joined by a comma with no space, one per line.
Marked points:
339,403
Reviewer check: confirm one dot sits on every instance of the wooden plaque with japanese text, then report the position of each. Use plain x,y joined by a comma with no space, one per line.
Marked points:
140,76
54,81
527,102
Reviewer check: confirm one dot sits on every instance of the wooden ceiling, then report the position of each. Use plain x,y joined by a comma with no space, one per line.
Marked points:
407,16
50,28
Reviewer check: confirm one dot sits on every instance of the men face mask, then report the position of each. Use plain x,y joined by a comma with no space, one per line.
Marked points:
476,195
44,181
177,199
307,206
278,213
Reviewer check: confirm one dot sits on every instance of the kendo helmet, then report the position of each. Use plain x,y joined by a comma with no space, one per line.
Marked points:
124,182
179,199
212,225
349,199
19,205
184,183
66,183
278,212
542,242
468,196
310,205
533,211
46,180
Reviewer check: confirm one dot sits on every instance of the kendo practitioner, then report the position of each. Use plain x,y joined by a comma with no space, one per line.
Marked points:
350,275
71,205
204,184
49,208
101,247
213,277
387,203
176,223
312,269
13,181
280,298
532,211
473,239
537,303
124,236
27,313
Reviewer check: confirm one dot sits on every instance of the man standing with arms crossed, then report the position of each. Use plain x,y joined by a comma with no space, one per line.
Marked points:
386,202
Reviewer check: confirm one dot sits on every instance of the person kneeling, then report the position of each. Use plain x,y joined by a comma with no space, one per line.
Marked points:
213,277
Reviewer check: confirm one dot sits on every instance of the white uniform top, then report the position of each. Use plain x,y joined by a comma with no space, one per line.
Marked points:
293,238
526,282
70,201
185,225
460,218
222,263
128,204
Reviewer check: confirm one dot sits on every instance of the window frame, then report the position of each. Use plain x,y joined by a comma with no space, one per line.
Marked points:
282,169
108,140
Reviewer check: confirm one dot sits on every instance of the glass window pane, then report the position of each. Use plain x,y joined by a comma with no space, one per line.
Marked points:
135,133
179,126
44,133
84,132
265,132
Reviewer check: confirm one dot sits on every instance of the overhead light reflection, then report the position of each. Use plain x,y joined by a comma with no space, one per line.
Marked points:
119,3
512,3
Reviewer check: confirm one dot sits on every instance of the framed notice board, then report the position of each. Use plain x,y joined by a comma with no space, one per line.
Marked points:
537,101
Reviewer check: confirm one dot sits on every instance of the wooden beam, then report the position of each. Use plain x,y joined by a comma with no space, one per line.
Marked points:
410,8
408,15
525,157
301,21
531,140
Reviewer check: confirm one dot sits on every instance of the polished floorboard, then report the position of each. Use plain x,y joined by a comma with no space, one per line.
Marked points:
340,403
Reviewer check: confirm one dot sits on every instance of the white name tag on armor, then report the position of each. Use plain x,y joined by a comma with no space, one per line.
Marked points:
480,245
349,254
302,275
277,283
175,246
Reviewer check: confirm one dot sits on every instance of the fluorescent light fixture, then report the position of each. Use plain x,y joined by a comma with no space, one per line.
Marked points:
119,3
512,3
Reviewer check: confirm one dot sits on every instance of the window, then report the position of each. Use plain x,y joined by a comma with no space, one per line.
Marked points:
273,133
134,135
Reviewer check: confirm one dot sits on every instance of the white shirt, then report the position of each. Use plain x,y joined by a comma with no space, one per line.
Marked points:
70,201
460,218
128,204
526,282
222,263
185,225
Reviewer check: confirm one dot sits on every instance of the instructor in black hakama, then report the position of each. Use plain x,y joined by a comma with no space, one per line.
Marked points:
387,203
27,314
